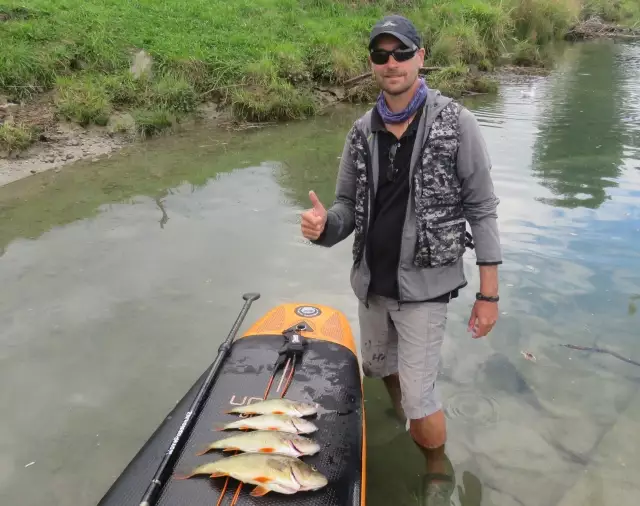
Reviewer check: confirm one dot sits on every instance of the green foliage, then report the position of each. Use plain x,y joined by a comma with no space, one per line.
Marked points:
15,137
615,11
261,56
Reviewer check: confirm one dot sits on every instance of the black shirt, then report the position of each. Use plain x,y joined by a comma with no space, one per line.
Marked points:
390,206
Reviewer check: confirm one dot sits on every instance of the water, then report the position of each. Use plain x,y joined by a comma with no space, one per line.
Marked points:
120,278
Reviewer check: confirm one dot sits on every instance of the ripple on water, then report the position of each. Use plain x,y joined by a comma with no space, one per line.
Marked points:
472,407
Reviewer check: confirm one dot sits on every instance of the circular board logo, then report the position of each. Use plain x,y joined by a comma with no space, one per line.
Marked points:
307,311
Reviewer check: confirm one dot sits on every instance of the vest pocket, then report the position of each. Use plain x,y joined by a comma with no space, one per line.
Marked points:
444,239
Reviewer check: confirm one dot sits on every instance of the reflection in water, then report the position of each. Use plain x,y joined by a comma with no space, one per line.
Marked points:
160,203
306,152
578,153
104,312
470,492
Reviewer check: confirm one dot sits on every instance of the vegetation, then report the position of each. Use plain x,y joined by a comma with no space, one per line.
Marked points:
624,12
15,137
260,58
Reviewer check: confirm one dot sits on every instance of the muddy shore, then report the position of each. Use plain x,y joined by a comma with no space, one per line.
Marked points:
62,143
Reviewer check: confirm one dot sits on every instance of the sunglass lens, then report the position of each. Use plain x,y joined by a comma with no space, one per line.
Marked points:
403,54
379,57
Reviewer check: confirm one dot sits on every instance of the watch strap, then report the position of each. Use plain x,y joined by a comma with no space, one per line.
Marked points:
487,298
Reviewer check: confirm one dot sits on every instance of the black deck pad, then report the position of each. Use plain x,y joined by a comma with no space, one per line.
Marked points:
329,375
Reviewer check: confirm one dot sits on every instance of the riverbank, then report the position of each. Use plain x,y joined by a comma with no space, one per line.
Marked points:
85,78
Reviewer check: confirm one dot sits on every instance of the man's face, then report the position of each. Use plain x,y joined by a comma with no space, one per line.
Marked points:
396,77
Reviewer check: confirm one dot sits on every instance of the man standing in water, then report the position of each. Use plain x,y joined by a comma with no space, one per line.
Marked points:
414,170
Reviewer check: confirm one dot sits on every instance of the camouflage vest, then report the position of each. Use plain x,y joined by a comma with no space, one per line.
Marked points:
440,223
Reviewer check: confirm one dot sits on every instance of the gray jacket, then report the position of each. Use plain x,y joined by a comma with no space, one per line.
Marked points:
451,184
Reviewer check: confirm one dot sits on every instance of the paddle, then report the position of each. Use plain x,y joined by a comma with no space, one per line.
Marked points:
165,467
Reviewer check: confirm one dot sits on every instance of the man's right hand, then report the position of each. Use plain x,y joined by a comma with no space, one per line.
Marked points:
314,219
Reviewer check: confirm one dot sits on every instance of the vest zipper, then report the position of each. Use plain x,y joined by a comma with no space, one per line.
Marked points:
369,210
409,200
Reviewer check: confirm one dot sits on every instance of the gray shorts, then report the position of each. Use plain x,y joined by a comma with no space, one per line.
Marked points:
404,338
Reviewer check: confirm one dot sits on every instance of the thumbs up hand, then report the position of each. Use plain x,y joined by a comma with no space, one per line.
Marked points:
314,219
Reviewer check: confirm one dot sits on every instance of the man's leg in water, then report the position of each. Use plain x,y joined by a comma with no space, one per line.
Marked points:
392,382
379,348
421,330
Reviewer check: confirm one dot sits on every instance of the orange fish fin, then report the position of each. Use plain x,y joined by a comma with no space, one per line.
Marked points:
267,450
273,428
263,479
182,476
206,450
218,474
231,449
278,412
259,491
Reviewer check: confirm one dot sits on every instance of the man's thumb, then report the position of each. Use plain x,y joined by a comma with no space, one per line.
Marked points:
317,205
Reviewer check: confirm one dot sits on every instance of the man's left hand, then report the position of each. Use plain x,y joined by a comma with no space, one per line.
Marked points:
484,315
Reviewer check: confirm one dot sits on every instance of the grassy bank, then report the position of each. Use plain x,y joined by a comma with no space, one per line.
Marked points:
261,58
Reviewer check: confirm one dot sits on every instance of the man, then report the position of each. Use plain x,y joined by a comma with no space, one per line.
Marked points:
413,171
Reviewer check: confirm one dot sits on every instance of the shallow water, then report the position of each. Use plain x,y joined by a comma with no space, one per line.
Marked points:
120,278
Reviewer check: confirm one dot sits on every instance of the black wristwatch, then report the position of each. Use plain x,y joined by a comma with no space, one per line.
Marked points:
487,298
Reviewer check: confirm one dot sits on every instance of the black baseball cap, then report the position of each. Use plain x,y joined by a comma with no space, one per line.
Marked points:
398,26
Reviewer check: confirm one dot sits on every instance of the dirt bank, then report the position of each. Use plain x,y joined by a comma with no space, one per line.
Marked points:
59,143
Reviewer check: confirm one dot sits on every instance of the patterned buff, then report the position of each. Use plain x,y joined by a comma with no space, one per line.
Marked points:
407,112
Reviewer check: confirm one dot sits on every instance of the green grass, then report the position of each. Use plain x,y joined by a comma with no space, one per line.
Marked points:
15,137
259,57
624,12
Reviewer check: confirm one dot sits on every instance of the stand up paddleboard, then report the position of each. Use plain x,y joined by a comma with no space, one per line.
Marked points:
318,339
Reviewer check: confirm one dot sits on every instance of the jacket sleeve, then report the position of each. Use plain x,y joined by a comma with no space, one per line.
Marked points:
341,215
479,200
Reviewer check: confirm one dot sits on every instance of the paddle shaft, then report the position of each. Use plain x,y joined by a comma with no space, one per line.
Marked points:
166,466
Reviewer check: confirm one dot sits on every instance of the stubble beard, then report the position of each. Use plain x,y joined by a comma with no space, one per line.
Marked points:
394,91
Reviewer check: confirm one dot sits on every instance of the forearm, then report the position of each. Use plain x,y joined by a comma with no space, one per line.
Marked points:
489,280
486,237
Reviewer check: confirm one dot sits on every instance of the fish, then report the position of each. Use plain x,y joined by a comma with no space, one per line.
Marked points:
266,441
277,407
270,473
282,423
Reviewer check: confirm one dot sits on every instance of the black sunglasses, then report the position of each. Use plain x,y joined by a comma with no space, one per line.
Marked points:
381,56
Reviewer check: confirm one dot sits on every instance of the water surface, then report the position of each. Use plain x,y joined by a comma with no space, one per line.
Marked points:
120,278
